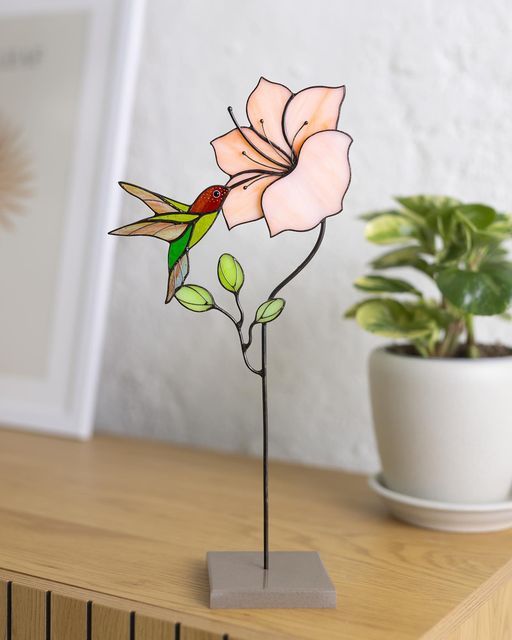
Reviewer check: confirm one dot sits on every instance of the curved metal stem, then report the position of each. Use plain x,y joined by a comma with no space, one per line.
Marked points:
240,322
264,396
244,345
303,264
263,375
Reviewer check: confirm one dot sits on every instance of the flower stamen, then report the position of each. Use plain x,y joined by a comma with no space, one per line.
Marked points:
249,184
262,164
276,162
297,133
277,149
259,176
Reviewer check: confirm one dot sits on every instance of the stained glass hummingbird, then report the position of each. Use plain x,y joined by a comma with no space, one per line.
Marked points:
181,225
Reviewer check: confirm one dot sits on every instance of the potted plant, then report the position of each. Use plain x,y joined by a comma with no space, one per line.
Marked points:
441,401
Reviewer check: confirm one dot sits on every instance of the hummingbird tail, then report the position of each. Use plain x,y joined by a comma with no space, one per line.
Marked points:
177,276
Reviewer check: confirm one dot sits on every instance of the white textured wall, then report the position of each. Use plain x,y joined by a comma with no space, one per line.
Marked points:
429,107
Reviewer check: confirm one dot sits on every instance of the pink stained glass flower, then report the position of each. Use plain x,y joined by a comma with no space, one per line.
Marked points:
290,166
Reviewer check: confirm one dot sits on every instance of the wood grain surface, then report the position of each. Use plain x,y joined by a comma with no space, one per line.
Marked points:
3,609
147,628
131,521
492,619
191,633
109,623
28,613
69,618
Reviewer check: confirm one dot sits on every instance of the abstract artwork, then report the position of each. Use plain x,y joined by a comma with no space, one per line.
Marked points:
288,167
15,174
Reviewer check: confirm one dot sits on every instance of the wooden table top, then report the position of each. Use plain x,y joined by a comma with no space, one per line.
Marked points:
134,519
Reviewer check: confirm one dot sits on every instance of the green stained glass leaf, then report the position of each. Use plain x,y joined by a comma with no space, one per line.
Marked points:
381,284
484,293
195,298
230,272
269,310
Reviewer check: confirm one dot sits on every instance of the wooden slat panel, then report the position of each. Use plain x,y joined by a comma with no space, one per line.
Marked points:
188,633
28,613
3,610
69,618
493,619
109,624
152,629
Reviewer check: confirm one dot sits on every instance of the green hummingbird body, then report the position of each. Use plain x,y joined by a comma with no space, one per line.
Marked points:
181,225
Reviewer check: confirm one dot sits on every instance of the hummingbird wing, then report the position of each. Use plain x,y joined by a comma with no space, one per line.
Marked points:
155,201
201,227
177,262
177,276
153,227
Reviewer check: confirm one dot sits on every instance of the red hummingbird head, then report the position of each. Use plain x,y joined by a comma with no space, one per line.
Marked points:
210,200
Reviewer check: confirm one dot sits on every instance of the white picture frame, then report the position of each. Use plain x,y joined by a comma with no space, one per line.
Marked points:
51,343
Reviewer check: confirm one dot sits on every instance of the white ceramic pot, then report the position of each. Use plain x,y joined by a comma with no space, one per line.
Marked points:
444,426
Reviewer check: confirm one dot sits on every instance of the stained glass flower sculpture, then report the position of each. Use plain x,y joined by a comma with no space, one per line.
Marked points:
289,166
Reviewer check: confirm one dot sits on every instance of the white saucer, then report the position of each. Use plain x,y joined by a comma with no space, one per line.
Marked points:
467,518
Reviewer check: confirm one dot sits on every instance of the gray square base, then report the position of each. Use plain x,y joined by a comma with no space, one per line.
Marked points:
294,580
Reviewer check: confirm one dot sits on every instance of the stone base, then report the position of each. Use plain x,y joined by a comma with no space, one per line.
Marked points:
294,580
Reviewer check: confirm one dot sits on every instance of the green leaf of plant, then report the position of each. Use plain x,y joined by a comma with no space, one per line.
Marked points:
351,312
425,205
476,216
485,292
230,273
381,284
391,229
496,256
429,312
371,215
269,310
391,319
404,257
195,298
499,230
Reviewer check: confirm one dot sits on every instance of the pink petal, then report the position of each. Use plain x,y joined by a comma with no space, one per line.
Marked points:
234,154
267,103
315,189
318,106
244,205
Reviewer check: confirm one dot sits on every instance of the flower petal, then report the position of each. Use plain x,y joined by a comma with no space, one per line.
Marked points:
244,205
315,189
319,107
267,103
234,153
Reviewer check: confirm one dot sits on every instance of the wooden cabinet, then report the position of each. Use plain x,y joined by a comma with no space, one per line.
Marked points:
106,540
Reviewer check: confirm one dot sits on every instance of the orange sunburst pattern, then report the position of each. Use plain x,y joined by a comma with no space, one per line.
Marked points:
15,174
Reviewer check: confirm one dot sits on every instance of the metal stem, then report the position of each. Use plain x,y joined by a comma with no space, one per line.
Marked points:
264,395
244,345
264,399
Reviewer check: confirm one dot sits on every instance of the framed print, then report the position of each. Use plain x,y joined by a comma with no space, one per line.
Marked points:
67,74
